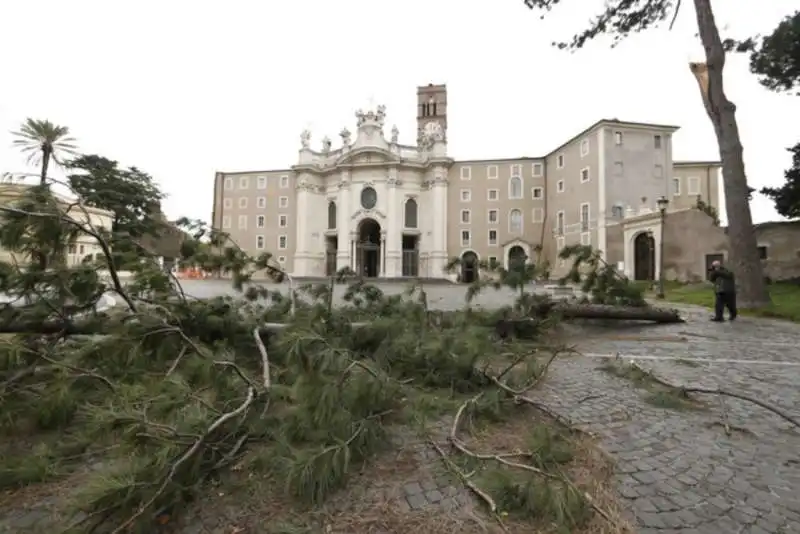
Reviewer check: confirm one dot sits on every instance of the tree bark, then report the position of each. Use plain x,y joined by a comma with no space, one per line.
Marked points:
613,313
744,258
46,154
90,327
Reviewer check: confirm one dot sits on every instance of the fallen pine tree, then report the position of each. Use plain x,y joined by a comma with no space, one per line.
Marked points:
165,393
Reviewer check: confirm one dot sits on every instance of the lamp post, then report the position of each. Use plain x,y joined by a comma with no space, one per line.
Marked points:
662,203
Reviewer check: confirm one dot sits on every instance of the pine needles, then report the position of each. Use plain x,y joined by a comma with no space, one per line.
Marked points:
172,392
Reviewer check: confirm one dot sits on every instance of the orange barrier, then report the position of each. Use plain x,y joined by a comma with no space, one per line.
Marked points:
192,274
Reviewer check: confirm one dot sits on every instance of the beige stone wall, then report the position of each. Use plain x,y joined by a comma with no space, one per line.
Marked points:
690,236
780,248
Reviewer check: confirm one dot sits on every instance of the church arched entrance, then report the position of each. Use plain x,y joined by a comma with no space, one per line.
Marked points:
469,267
368,248
516,258
644,257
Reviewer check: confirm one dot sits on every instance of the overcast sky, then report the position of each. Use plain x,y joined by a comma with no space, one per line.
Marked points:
182,89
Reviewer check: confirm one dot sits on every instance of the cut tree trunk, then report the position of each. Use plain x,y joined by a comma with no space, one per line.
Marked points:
566,311
744,259
614,313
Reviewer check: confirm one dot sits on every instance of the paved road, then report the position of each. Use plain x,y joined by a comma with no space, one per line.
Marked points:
678,471
440,296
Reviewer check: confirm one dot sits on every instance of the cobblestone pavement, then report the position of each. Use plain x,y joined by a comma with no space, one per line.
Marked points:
678,471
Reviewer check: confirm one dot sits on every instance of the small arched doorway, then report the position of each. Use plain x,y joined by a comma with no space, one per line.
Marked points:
469,267
644,257
516,258
368,248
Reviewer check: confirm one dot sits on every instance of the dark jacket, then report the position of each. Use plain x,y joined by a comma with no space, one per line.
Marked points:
723,280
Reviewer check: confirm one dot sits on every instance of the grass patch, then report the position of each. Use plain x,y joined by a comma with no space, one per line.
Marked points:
785,299
657,394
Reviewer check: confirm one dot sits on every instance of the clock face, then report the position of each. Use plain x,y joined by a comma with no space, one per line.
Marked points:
369,197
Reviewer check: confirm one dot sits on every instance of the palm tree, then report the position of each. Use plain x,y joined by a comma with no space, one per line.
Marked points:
43,140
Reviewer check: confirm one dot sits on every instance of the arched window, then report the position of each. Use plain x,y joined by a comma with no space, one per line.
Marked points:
515,222
411,213
515,187
331,215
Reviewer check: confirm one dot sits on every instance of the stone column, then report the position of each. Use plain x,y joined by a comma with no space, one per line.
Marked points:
394,226
439,253
302,256
343,253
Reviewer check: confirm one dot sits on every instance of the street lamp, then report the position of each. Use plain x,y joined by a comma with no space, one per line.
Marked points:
662,204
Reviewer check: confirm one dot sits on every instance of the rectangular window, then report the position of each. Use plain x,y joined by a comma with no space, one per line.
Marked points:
262,182
560,186
282,242
516,170
537,193
466,195
228,183
493,262
284,183
537,169
657,142
72,249
242,202
227,203
560,223
618,138
259,242
261,203
584,175
465,217
283,202
492,217
694,185
492,172
226,222
260,221
466,238
584,217
466,173
676,187
762,252
537,215
283,221
244,182
242,222
586,239
281,259
560,161
492,194
492,237
584,148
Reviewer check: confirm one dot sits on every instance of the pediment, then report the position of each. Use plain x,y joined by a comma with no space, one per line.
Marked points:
367,156
516,241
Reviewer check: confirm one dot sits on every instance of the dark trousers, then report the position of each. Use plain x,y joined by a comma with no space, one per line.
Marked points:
722,301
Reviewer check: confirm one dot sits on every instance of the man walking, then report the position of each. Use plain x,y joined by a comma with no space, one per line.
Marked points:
724,290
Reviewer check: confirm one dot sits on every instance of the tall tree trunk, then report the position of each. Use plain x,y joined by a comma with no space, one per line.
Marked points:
46,155
744,257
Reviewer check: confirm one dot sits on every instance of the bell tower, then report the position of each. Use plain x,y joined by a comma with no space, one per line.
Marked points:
432,106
